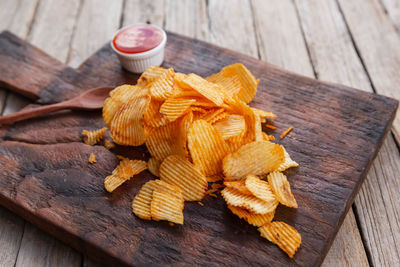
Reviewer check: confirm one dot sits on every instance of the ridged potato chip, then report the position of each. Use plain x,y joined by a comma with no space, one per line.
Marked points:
123,172
165,206
285,236
232,125
207,148
235,198
209,90
253,219
258,158
259,188
288,163
150,75
264,114
173,108
118,97
214,115
248,83
281,188
92,137
154,166
141,204
127,127
239,185
162,87
178,171
215,178
153,117
231,85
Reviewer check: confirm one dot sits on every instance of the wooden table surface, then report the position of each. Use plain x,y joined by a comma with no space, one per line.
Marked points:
356,43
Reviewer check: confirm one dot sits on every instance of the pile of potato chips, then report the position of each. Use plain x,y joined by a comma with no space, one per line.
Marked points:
199,131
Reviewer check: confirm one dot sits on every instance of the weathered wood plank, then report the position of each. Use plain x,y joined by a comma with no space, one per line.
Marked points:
144,11
188,18
392,8
282,43
41,249
11,231
97,22
330,44
378,44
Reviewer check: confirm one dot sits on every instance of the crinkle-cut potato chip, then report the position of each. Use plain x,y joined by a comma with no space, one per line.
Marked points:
153,117
214,115
281,188
141,204
285,236
288,163
232,125
209,90
264,114
215,178
92,137
207,148
154,166
253,219
150,75
235,198
92,158
258,158
165,206
173,108
163,141
231,85
178,171
236,142
238,185
162,87
259,188
248,83
123,172
205,103
118,97
127,127
108,144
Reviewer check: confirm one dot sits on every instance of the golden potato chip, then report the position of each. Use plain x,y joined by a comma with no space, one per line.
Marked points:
288,163
251,218
258,158
165,206
162,87
163,141
239,185
153,117
214,115
173,108
150,75
236,142
215,178
235,198
123,172
127,127
281,188
285,236
231,85
92,158
209,90
118,97
232,125
108,144
259,188
267,137
178,171
141,204
154,166
264,114
206,147
248,83
204,103
92,137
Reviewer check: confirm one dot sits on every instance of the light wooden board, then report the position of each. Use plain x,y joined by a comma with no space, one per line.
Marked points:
148,11
392,8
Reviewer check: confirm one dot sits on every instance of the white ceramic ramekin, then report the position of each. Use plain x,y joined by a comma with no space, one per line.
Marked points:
139,62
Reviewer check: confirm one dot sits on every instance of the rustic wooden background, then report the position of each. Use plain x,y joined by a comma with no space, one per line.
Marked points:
356,43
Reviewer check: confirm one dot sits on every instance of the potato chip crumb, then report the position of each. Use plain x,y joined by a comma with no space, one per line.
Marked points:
92,158
171,224
283,135
200,203
213,195
93,137
270,126
108,144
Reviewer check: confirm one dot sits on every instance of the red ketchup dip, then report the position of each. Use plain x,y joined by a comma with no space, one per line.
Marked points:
137,39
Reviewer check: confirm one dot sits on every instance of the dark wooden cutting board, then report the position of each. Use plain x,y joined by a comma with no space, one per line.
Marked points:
46,178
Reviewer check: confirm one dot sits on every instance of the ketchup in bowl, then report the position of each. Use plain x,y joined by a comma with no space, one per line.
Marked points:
137,39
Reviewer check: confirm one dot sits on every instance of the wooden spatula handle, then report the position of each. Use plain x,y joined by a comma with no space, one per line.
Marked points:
29,113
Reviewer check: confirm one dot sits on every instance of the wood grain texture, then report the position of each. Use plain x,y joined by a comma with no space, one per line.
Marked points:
378,44
287,49
100,224
11,232
143,11
392,8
